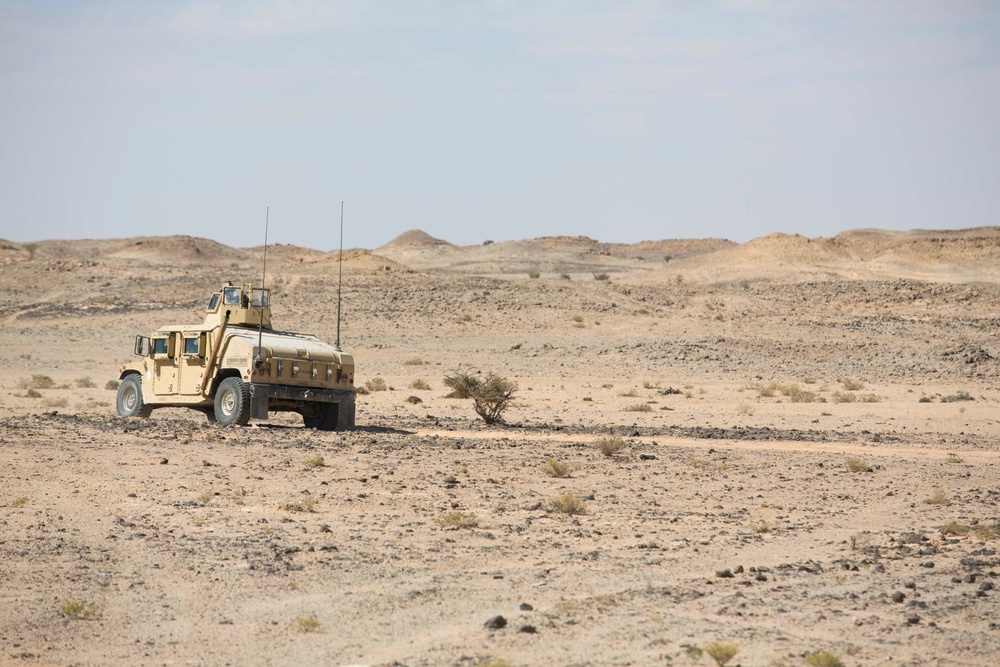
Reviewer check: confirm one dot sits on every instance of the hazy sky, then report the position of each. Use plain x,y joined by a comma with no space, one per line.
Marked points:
501,119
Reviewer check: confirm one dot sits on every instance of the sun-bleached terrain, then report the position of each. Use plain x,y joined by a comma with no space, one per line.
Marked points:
800,458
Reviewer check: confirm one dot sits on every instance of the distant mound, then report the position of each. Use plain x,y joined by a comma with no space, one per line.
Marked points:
361,261
13,252
285,251
968,254
415,238
181,249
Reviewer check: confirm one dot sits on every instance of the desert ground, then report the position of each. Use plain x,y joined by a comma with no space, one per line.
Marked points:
800,458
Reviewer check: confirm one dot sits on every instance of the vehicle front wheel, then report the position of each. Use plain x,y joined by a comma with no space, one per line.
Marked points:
232,402
129,402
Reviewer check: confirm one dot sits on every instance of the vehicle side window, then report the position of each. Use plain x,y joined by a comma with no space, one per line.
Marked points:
214,303
191,347
159,346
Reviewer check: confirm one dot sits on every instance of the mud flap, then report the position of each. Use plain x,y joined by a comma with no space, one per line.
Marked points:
259,403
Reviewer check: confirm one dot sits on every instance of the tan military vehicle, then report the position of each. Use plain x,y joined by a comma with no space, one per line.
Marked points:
235,366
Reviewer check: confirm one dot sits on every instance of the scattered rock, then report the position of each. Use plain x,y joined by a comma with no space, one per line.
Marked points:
496,623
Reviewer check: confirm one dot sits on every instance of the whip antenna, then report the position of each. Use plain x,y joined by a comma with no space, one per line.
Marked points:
263,277
340,277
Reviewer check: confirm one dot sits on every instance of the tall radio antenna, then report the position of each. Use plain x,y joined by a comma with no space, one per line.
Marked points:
263,278
340,277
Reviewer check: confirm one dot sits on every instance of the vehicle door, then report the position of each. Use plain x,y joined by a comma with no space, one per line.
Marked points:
192,361
165,363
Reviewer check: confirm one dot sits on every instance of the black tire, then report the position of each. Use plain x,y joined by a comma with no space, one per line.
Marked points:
232,402
322,416
129,402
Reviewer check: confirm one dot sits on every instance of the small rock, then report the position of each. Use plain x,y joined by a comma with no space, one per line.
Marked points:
164,462
969,579
986,586
760,576
496,623
912,585
738,569
928,563
529,629
526,607
912,619
724,574
647,457
325,528
898,597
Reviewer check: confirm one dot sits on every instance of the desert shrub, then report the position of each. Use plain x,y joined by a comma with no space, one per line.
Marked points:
721,652
457,520
564,276
19,502
925,399
610,445
376,384
55,402
78,609
745,409
629,393
601,276
307,504
823,659
361,390
414,400
955,529
84,383
462,383
415,361
953,458
566,504
37,382
419,384
854,464
988,531
307,624
493,397
852,385
639,407
959,396
33,393
578,318
112,385
844,397
555,468
939,497
314,462
534,274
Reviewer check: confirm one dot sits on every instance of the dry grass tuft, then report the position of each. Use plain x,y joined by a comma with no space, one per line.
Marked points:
314,462
78,610
639,407
939,497
852,385
457,520
721,652
420,385
376,384
554,468
307,624
854,464
823,659
566,504
610,446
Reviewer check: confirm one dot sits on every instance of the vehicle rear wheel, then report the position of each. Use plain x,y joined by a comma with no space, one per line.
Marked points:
129,402
232,402
322,416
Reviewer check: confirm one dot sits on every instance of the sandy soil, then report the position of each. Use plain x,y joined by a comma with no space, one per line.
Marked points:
799,419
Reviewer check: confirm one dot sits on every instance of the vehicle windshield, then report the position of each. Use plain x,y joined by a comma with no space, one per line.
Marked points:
261,297
231,296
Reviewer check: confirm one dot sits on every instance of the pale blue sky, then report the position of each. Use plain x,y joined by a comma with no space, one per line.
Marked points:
501,119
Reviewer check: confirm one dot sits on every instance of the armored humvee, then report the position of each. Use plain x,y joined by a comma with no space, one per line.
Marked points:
235,366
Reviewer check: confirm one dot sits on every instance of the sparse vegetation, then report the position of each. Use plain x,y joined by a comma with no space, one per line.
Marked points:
955,529
457,520
564,276
854,464
566,504
534,274
78,610
823,659
852,385
794,392
745,409
556,468
415,361
33,393
112,385
639,407
953,458
939,497
55,402
601,276
610,446
307,624
376,384
420,385
987,531
629,393
37,382
314,462
721,652
956,397
206,497
307,504
844,397
19,502
84,383
491,395
493,662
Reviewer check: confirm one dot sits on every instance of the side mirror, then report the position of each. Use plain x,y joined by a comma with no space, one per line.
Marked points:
142,347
